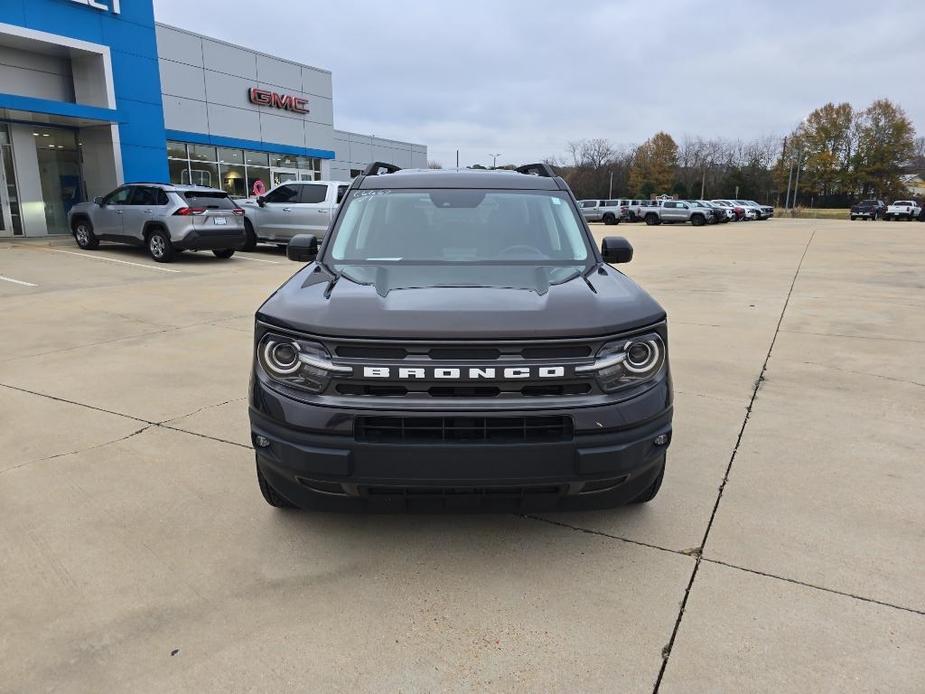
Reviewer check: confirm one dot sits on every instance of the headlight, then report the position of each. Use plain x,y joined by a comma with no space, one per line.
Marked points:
628,362
298,363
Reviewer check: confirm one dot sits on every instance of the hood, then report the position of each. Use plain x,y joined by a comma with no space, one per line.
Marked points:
81,207
600,303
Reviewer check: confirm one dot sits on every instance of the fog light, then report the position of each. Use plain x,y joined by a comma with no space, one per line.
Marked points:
661,440
261,441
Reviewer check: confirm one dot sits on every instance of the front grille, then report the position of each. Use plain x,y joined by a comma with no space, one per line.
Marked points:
461,428
464,391
497,355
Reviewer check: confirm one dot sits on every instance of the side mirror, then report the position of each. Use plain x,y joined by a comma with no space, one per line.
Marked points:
98,201
261,200
303,248
615,249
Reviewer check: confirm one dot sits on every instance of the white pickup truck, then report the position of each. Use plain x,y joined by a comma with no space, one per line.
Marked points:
903,209
294,207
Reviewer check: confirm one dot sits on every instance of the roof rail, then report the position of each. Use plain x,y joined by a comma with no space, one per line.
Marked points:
540,169
374,168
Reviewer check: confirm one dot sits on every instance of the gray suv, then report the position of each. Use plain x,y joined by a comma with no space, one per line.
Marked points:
164,218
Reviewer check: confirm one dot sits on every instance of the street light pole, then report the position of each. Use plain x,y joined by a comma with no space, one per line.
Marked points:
796,183
611,185
789,181
494,160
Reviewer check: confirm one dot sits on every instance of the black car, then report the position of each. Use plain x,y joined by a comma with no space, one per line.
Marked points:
868,209
458,341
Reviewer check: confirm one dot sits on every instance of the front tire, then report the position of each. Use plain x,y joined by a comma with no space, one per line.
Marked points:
609,219
270,495
84,236
224,253
652,220
160,247
697,220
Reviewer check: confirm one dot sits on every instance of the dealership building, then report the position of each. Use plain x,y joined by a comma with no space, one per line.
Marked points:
95,93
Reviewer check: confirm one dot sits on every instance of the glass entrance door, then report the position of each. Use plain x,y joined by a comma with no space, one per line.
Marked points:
279,176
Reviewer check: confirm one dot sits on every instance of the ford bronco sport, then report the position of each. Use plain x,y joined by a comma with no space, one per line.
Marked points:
458,341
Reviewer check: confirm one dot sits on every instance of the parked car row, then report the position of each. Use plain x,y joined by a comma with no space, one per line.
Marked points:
697,212
168,219
877,209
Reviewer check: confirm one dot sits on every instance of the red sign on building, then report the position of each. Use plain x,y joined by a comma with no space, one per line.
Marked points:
287,102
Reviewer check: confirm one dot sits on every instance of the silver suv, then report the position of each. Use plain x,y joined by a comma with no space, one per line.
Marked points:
164,218
293,207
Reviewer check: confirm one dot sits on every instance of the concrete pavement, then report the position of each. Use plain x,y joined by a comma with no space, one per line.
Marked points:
785,551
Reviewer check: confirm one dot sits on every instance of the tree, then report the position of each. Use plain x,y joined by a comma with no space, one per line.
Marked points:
886,142
434,165
654,164
825,140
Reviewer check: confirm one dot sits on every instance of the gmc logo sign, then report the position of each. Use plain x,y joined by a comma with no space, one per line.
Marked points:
287,102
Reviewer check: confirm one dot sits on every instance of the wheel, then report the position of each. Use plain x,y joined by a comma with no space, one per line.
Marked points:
270,495
652,219
853,217
83,234
159,246
250,242
697,220
651,491
223,253
609,219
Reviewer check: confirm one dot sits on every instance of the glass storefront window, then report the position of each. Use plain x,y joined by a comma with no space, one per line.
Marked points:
202,153
234,181
283,161
230,156
59,175
176,150
179,170
236,171
252,158
204,174
309,163
253,174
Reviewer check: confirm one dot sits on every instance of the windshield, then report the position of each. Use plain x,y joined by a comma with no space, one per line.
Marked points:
459,238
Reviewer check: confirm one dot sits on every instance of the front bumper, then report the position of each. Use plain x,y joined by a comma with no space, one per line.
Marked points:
314,459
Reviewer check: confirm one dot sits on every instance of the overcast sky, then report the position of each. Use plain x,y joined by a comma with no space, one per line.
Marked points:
524,77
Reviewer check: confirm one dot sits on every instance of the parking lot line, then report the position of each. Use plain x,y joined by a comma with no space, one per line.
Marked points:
114,260
257,260
10,279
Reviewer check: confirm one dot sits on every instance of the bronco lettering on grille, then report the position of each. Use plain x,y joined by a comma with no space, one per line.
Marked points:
466,374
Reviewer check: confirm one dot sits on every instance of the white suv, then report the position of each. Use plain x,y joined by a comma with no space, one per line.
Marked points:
294,207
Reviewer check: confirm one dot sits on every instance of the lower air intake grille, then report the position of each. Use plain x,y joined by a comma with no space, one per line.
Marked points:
488,429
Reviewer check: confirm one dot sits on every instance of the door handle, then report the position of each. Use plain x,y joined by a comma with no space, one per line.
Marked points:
322,211
147,211
287,209
118,211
